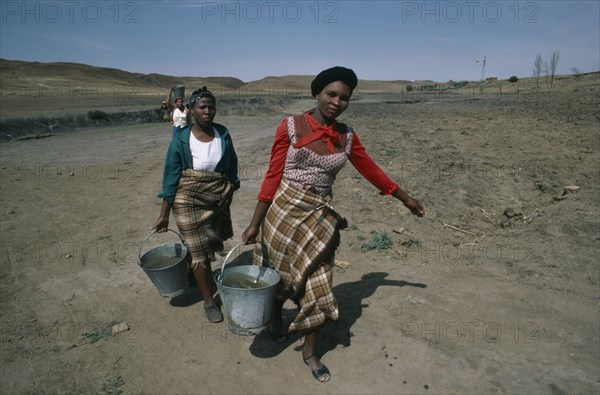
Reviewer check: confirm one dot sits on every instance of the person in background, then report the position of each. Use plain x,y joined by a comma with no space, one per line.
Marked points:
199,179
180,116
165,112
296,229
169,105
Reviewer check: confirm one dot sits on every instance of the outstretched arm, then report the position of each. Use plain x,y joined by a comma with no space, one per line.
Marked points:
373,173
410,203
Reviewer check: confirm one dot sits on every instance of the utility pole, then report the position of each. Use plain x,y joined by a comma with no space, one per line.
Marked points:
483,69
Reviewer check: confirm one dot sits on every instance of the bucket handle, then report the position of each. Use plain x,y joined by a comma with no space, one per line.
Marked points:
220,275
153,232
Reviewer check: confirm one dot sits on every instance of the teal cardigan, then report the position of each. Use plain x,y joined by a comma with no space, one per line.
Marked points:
179,158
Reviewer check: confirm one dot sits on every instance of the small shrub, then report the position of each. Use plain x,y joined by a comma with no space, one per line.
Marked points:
458,84
411,242
112,386
97,115
95,334
379,241
513,79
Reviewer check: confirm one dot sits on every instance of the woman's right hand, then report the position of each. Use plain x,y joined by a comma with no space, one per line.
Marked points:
251,232
249,235
161,225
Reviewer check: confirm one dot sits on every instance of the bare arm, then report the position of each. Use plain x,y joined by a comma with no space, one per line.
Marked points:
409,202
162,223
249,235
373,173
168,99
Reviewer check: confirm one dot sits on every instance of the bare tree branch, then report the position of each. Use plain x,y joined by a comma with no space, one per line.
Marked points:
553,65
537,69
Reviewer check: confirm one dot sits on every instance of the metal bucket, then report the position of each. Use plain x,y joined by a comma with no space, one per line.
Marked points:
166,266
247,293
179,91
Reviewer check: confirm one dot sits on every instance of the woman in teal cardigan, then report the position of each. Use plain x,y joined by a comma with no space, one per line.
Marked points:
200,176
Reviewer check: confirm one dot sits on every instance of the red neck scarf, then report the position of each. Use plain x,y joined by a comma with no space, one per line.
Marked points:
327,133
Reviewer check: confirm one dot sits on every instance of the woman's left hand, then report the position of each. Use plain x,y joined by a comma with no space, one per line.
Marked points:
414,206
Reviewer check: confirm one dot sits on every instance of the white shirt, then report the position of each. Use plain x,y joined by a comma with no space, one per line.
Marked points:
205,156
179,118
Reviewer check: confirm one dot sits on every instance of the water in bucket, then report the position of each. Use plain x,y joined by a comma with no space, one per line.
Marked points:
247,293
161,262
243,281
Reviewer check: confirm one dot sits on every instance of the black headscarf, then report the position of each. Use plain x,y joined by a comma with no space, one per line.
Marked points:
337,73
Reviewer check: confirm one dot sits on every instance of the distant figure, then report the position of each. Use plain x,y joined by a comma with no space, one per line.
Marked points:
168,104
179,116
165,111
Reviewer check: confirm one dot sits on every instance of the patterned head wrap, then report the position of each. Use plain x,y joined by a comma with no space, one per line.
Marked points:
199,94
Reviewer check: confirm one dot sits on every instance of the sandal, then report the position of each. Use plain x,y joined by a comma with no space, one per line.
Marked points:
213,314
322,374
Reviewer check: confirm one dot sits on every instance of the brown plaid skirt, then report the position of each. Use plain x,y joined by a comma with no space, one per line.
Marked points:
201,210
298,238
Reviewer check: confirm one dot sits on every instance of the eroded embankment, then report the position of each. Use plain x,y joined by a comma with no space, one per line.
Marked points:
20,128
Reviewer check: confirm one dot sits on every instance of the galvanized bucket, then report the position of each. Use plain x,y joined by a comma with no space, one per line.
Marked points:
179,91
167,266
247,292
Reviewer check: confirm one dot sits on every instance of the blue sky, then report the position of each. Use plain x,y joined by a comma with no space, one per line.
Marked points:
380,40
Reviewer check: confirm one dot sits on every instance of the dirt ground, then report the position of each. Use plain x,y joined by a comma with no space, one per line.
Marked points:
496,290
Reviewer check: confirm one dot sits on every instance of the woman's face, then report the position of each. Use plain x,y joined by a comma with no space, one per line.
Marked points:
178,103
333,100
204,111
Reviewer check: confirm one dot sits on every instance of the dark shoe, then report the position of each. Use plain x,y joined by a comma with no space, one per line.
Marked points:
322,374
192,279
213,314
276,334
278,337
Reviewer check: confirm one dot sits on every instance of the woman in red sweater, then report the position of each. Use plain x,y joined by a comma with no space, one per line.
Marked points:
296,228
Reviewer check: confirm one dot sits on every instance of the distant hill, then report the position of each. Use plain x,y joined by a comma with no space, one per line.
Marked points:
19,70
73,88
15,71
39,99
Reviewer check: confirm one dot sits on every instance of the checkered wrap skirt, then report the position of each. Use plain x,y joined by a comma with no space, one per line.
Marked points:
298,238
201,210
